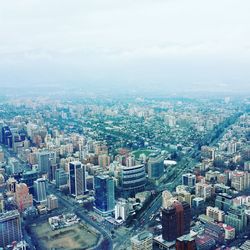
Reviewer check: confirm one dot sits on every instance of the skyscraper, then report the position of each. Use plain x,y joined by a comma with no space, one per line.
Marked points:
40,190
155,167
104,193
169,222
176,220
188,179
61,177
43,162
10,228
77,180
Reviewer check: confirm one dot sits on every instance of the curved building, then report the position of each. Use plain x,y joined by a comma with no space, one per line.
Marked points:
132,179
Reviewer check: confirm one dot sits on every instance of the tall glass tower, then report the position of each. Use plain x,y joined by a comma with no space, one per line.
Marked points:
104,193
77,179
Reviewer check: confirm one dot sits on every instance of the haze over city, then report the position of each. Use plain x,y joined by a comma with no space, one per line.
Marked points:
169,46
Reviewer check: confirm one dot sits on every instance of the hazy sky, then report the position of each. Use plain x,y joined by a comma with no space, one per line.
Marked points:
164,44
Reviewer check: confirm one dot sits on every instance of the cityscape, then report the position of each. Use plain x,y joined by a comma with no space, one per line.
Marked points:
121,174
124,125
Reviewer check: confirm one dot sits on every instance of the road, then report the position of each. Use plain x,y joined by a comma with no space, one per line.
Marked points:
106,243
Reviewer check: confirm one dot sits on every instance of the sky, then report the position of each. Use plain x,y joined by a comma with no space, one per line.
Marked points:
166,45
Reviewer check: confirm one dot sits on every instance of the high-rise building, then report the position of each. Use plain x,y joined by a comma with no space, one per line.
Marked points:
104,193
223,201
142,241
22,197
11,185
169,222
176,221
155,167
52,202
232,147
43,162
40,190
52,172
132,179
14,165
188,179
130,161
103,160
1,155
207,153
77,179
10,228
240,180
2,205
122,209
28,177
61,177
6,136
203,190
167,199
215,213
236,217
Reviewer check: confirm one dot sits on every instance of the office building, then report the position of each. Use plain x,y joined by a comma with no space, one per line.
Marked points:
77,179
132,179
43,162
14,166
52,172
28,177
61,177
52,202
188,180
6,136
237,218
203,190
104,194
223,201
122,209
10,228
40,190
22,197
176,221
142,241
155,167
